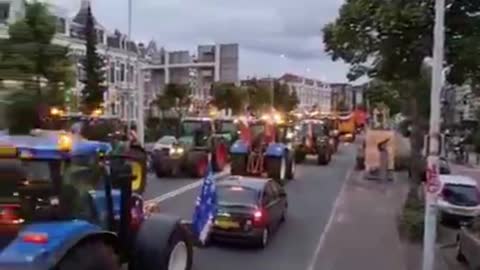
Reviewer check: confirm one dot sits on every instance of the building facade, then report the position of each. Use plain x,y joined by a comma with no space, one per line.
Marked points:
310,92
130,65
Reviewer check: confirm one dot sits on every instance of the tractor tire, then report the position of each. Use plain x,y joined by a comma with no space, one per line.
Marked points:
239,165
291,170
323,158
300,156
197,164
100,257
219,155
277,169
162,242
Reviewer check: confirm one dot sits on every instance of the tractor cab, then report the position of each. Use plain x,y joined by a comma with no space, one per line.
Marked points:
196,131
67,197
227,127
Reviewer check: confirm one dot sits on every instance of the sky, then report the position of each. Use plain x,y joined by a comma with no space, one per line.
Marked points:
275,36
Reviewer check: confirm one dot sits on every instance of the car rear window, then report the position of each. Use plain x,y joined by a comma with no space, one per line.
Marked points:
463,195
236,195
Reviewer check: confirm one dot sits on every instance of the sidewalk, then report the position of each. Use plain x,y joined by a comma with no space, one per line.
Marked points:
364,234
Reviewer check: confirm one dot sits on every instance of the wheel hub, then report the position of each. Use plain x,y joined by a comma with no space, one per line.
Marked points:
178,257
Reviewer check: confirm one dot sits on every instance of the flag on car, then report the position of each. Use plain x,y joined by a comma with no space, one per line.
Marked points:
206,207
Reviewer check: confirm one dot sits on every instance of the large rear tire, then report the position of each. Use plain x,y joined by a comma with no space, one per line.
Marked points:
92,255
220,156
238,165
277,169
198,164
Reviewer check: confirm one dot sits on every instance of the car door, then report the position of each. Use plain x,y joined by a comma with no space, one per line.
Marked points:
269,205
282,198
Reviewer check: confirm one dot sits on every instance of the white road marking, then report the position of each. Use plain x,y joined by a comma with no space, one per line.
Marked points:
184,189
331,219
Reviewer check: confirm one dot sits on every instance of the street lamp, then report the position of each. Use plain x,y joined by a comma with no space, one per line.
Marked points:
430,226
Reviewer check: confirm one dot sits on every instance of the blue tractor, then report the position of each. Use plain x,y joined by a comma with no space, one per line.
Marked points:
67,203
267,149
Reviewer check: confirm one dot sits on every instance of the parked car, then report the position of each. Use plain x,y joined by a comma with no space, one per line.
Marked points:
250,209
459,198
468,245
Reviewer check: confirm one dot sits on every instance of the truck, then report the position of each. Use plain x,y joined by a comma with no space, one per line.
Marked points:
68,204
346,126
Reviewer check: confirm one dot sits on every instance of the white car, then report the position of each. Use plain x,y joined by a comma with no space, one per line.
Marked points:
459,198
166,142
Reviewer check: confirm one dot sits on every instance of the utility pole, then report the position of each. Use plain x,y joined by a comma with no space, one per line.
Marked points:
430,229
129,90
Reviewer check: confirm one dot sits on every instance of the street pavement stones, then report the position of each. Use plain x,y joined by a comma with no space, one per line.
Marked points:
364,231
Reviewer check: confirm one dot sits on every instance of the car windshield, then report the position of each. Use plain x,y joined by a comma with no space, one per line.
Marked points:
236,195
461,194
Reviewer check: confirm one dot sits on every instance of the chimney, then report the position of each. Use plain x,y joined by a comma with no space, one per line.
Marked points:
84,4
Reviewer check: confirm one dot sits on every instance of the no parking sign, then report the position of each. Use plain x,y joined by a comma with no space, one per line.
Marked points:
433,182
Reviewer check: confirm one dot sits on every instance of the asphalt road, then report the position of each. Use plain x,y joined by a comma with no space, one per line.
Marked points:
311,198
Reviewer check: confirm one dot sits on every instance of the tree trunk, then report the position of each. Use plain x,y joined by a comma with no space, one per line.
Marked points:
416,142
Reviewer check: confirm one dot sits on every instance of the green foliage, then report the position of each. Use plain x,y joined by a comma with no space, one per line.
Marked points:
284,99
411,220
259,96
380,92
228,96
176,97
92,93
42,70
21,113
390,39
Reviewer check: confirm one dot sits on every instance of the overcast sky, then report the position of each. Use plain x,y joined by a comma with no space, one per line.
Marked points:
275,36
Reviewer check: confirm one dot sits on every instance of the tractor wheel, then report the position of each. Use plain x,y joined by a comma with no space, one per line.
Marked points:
323,158
100,257
300,156
198,164
220,156
291,170
239,165
162,243
277,169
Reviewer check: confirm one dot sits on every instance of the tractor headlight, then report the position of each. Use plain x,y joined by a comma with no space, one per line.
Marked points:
176,151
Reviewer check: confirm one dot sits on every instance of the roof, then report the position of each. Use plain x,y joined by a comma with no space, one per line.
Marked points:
247,182
46,147
457,179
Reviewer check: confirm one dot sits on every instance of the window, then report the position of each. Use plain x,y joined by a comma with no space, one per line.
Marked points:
112,72
268,195
236,195
462,195
4,12
122,72
61,25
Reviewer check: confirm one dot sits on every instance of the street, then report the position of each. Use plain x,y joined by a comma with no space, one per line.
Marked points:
311,197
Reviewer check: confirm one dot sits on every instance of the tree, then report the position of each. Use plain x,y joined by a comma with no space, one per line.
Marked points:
390,40
228,96
42,70
177,97
259,97
284,99
93,64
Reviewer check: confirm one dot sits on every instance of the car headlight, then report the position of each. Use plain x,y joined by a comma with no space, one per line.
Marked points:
177,151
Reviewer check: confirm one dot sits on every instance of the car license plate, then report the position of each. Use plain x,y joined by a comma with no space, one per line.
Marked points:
227,224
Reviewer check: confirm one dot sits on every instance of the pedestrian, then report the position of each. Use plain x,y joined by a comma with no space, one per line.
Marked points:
384,160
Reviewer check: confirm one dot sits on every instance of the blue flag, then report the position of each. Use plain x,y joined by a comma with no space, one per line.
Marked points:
206,207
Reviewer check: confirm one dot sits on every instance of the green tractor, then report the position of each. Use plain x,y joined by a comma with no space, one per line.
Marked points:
189,151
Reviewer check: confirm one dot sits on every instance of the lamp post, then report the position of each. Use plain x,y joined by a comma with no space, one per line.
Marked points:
430,226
